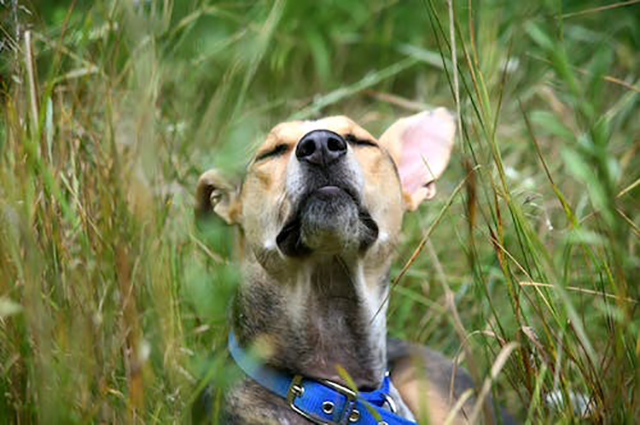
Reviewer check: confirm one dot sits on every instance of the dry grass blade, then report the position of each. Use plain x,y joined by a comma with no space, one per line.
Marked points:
497,366
457,407
600,9
454,62
31,77
582,290
215,257
629,188
474,369
399,101
629,221
607,78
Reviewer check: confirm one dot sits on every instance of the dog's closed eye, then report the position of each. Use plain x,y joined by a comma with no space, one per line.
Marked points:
277,150
354,141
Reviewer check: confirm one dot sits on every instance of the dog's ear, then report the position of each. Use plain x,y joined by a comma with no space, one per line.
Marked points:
214,194
421,146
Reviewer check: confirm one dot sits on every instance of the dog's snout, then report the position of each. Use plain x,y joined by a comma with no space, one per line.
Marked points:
321,147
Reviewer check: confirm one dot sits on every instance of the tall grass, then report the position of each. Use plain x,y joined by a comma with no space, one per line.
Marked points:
112,304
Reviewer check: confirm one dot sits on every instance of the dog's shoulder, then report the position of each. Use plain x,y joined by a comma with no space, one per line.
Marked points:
404,356
426,378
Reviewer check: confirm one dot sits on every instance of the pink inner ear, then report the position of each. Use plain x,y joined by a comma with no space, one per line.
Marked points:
426,148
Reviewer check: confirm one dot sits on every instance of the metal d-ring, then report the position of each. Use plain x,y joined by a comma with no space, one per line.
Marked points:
393,407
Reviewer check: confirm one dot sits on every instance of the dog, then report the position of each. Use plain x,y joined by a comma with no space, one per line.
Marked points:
320,212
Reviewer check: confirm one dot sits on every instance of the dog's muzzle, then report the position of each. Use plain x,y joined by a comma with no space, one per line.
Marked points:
328,215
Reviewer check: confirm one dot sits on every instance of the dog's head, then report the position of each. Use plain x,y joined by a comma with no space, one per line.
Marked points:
329,188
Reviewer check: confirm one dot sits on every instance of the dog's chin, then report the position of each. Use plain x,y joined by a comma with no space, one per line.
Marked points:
328,221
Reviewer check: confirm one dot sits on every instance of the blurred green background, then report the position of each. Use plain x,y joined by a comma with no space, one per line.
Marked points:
112,303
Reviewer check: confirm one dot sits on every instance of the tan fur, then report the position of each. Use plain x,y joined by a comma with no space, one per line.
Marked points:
263,190
426,398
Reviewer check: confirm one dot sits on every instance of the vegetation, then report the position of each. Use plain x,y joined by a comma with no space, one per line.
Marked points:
112,304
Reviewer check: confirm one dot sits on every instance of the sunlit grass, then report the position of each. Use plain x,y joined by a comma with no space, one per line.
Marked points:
113,305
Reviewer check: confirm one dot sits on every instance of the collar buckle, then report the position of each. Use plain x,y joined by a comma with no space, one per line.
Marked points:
349,412
296,389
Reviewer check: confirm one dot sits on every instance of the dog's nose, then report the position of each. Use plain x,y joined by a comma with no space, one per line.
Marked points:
321,147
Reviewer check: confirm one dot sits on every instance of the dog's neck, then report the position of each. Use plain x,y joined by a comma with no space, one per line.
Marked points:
325,316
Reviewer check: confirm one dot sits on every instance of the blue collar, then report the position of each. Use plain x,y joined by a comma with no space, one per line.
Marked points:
321,402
